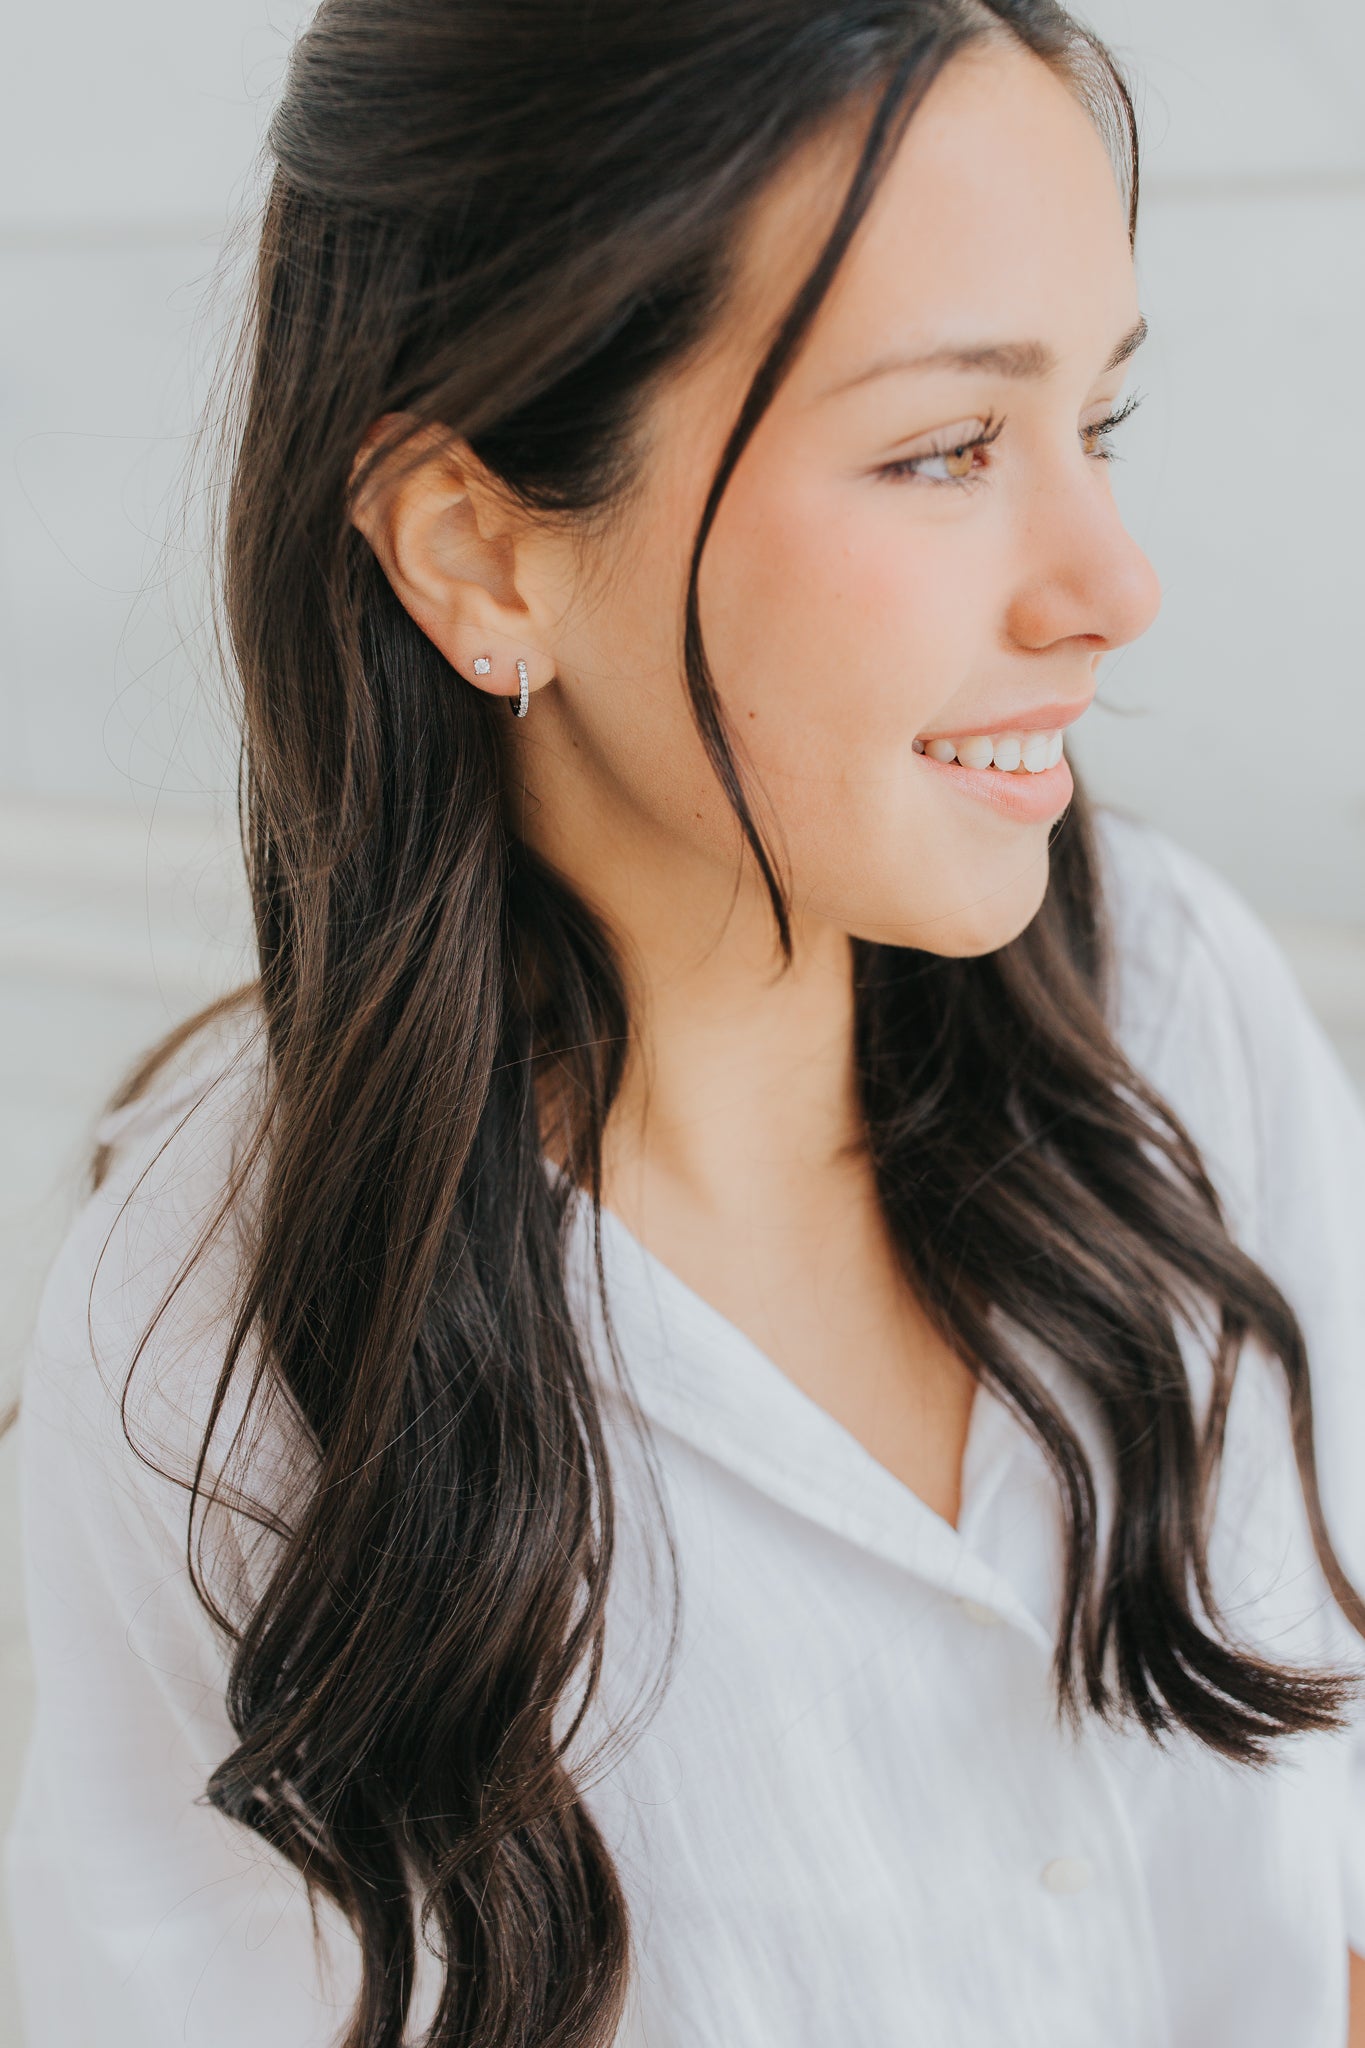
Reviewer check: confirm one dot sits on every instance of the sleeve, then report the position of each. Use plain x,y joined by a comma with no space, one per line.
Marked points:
1302,1216
142,1918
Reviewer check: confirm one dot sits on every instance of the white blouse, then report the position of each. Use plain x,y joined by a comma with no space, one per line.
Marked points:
854,1816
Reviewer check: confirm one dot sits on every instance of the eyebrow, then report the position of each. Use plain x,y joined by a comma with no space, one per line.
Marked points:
1022,359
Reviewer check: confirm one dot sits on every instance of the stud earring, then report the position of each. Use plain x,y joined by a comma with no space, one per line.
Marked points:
483,665
518,709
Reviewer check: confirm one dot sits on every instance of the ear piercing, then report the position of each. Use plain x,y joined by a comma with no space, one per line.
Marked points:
483,666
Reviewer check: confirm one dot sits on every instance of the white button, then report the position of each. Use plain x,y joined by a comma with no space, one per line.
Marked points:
1066,1874
976,1610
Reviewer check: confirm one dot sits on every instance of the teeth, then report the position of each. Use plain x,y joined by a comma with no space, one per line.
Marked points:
975,752
1033,752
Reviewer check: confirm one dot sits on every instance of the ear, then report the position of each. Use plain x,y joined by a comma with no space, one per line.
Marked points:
444,536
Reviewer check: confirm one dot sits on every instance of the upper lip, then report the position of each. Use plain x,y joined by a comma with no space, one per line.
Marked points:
1044,718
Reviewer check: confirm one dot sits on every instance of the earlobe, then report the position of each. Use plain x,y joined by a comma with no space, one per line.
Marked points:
486,668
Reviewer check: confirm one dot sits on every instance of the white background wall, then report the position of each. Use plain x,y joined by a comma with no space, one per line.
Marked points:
1240,721
126,138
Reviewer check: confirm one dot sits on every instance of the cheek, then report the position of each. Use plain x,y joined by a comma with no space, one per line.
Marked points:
835,628
839,626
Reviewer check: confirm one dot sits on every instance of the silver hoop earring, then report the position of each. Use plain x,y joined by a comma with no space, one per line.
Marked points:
524,677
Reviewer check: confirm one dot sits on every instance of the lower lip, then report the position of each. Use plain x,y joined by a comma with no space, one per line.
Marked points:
1028,799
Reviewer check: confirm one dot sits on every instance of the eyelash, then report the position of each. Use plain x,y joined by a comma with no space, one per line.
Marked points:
909,466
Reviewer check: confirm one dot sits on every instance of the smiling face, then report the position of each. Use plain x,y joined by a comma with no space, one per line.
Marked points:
918,553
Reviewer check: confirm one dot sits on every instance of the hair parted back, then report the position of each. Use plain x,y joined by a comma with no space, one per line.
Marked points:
512,218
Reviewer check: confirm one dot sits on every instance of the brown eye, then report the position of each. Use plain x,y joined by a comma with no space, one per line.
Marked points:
955,465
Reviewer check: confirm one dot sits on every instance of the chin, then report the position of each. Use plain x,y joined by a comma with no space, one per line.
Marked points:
981,937
984,915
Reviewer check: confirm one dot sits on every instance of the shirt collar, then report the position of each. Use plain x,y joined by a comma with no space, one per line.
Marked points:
697,1376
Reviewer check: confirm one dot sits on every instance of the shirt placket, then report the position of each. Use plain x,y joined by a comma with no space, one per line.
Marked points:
699,1378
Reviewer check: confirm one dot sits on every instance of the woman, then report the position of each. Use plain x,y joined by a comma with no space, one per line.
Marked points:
742,1393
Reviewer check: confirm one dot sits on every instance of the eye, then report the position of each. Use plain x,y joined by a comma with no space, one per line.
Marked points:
951,462
1095,438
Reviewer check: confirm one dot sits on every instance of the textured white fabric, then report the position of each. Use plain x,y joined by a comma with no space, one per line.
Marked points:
853,1817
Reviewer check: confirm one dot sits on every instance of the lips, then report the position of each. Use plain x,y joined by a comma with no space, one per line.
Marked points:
1048,718
1018,770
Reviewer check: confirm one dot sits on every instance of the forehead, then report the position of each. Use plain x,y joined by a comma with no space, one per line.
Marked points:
1000,215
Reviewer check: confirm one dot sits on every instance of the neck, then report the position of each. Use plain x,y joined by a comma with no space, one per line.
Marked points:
738,1091
738,1098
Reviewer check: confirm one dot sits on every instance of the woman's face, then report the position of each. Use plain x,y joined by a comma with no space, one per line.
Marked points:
919,546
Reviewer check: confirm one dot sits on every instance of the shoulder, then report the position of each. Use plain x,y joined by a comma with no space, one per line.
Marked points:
169,1159
127,1586
1209,1011
122,1372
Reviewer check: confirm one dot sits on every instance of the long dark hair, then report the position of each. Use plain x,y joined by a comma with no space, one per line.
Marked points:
511,217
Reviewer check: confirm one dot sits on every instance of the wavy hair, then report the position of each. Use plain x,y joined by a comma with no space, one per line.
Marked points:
511,218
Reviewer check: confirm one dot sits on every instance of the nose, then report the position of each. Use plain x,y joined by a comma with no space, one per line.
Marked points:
1082,575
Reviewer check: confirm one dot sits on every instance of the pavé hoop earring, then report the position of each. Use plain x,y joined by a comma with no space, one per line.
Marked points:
524,677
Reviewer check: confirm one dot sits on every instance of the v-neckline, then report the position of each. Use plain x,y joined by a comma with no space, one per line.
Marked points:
699,1375
704,1314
